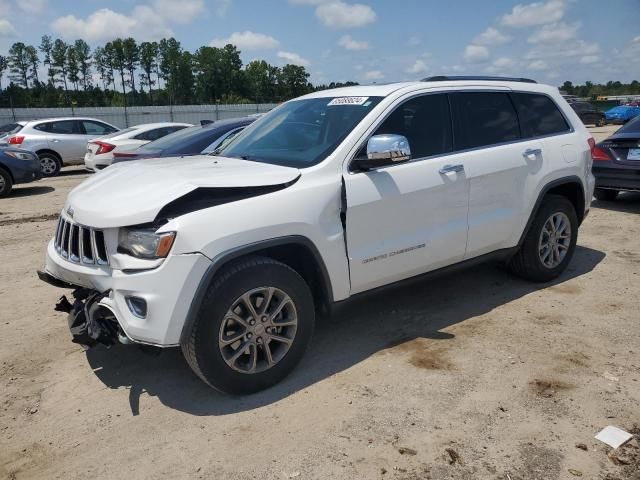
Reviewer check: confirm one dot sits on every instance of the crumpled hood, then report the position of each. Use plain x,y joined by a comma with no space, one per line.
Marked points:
131,193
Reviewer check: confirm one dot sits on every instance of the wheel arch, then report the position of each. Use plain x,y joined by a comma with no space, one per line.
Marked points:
9,172
569,187
296,251
52,152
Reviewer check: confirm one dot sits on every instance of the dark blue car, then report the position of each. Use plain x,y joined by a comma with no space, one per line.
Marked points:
189,141
17,166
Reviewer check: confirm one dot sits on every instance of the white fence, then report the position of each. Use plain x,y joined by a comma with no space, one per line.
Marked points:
136,115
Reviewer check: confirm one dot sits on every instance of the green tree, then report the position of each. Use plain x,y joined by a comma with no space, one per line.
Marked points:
4,64
34,63
131,57
59,63
294,81
73,67
148,64
46,46
19,63
83,58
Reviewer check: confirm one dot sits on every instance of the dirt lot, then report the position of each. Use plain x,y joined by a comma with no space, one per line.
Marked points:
469,376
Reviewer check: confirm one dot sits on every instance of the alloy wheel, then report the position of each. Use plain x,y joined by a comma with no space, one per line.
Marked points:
48,165
258,330
555,240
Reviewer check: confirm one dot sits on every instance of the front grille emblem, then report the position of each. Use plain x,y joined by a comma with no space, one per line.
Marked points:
70,212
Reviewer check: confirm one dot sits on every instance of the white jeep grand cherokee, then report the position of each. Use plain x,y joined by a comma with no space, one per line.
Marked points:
330,195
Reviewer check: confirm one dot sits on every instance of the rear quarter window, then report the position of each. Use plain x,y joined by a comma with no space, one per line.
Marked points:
539,115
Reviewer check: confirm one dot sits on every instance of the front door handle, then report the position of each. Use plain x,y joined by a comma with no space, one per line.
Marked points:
55,140
451,169
532,151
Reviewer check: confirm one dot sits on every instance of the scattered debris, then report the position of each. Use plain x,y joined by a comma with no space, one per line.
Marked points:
582,446
575,473
454,457
294,475
618,459
610,377
33,410
613,436
407,451
383,471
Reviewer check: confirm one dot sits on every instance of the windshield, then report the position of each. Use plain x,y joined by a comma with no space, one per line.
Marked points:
301,133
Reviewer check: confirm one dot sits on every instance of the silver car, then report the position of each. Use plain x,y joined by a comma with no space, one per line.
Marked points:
58,141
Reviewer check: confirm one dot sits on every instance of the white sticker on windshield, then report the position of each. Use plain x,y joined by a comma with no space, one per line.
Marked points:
347,101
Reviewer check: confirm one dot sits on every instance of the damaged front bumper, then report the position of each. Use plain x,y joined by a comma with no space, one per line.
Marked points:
102,294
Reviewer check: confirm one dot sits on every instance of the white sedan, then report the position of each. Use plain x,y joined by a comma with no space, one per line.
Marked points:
100,150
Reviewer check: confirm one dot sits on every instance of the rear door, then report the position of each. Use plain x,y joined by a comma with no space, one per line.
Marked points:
66,137
499,166
410,218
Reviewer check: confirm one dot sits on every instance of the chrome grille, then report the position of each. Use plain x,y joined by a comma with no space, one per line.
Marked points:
80,244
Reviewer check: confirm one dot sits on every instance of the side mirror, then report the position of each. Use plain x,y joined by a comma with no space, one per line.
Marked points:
384,150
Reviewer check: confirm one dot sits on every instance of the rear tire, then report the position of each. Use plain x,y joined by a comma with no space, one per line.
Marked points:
554,232
605,194
50,165
6,184
227,346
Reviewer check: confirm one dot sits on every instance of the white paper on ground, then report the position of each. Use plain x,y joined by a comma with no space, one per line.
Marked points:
613,436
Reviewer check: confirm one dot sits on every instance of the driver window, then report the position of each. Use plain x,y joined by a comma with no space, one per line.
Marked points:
426,123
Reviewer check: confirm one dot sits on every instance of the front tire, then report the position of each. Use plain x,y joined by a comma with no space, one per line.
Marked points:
49,164
550,242
253,326
605,194
6,184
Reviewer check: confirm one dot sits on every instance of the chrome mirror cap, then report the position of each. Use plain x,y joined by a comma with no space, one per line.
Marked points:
389,147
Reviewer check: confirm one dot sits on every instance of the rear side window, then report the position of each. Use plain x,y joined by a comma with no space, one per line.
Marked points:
63,127
631,127
483,118
539,115
426,123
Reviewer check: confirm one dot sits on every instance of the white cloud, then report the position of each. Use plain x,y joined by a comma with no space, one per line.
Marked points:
294,58
105,24
418,67
6,29
537,13
33,7
414,41
538,65
503,62
247,40
221,7
453,69
589,59
308,2
491,36
554,33
575,48
337,14
350,44
476,53
636,40
183,11
374,75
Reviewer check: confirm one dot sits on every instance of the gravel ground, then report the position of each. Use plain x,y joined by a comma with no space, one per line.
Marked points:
473,375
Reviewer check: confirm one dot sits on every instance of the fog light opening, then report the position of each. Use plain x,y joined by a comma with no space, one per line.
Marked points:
138,306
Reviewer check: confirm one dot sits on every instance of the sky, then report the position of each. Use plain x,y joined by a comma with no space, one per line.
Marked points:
365,40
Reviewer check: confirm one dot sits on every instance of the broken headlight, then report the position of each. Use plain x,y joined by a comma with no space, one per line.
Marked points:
145,242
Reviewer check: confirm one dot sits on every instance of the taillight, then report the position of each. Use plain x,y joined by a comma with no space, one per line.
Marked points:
598,154
16,140
103,147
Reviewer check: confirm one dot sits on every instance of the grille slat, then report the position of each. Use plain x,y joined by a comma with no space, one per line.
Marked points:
80,244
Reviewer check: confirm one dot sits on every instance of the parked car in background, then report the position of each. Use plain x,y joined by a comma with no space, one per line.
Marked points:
8,128
58,141
589,114
621,113
190,141
616,162
100,151
17,166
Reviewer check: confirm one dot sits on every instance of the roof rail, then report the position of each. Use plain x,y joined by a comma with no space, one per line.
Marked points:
444,78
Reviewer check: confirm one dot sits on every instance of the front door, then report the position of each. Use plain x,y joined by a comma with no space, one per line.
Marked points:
410,218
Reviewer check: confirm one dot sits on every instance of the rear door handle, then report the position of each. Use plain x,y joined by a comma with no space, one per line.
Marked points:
532,151
451,169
